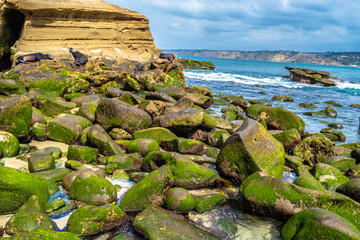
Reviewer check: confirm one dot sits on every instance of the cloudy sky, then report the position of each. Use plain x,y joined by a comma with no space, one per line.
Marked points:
299,25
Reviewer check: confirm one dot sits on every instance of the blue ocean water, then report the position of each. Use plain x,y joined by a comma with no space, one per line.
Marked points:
238,77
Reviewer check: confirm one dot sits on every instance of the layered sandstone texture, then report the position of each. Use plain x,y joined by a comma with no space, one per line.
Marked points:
90,26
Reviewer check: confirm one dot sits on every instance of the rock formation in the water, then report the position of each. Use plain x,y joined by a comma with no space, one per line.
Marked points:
90,26
310,76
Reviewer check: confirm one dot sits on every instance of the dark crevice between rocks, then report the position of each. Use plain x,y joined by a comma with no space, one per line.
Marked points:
10,31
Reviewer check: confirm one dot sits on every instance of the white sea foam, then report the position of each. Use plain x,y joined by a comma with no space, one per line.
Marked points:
248,80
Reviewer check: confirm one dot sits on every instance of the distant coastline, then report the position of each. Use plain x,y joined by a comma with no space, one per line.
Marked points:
322,58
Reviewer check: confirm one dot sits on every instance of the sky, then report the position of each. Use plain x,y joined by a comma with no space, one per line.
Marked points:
248,25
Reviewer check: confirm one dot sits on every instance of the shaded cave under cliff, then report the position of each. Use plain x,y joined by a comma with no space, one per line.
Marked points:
10,31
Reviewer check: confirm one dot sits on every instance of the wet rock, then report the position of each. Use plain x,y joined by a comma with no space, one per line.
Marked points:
148,191
15,115
91,188
318,223
335,104
89,220
310,76
157,133
187,173
114,113
283,98
99,138
30,216
9,144
179,199
82,153
208,202
40,162
280,199
351,189
167,227
307,105
315,148
251,149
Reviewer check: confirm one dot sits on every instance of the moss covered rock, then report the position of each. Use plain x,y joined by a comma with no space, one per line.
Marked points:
174,92
153,107
143,146
216,137
99,138
40,162
82,153
166,227
307,180
15,115
114,113
89,219
55,175
283,98
128,162
41,234
179,199
307,105
280,199
157,133
315,148
200,100
149,191
92,189
39,131
17,186
289,139
9,144
341,163
318,223
184,146
195,64
251,149
120,134
54,107
30,216
10,86
208,202
187,173
199,90
351,189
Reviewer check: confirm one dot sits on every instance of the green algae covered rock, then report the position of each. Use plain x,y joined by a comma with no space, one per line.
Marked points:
17,186
82,153
318,223
199,90
41,234
179,199
120,134
251,149
40,162
166,227
127,162
9,144
307,105
99,138
54,205
15,115
184,146
157,133
143,146
342,163
351,189
282,119
307,180
39,131
283,98
92,189
54,107
330,112
315,148
55,175
114,113
10,86
30,216
187,173
89,219
280,199
148,191
195,64
208,202
289,139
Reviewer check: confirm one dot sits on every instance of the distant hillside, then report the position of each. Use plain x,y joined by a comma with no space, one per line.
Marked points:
325,58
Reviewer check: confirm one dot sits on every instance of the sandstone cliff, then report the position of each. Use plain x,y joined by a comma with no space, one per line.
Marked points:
53,26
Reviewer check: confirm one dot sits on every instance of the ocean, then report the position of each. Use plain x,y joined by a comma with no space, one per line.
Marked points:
239,77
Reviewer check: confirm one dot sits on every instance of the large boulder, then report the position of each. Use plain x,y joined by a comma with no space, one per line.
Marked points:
30,216
310,76
166,227
42,234
280,199
318,223
89,219
179,199
17,186
351,189
149,191
15,115
157,133
10,86
113,113
251,149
